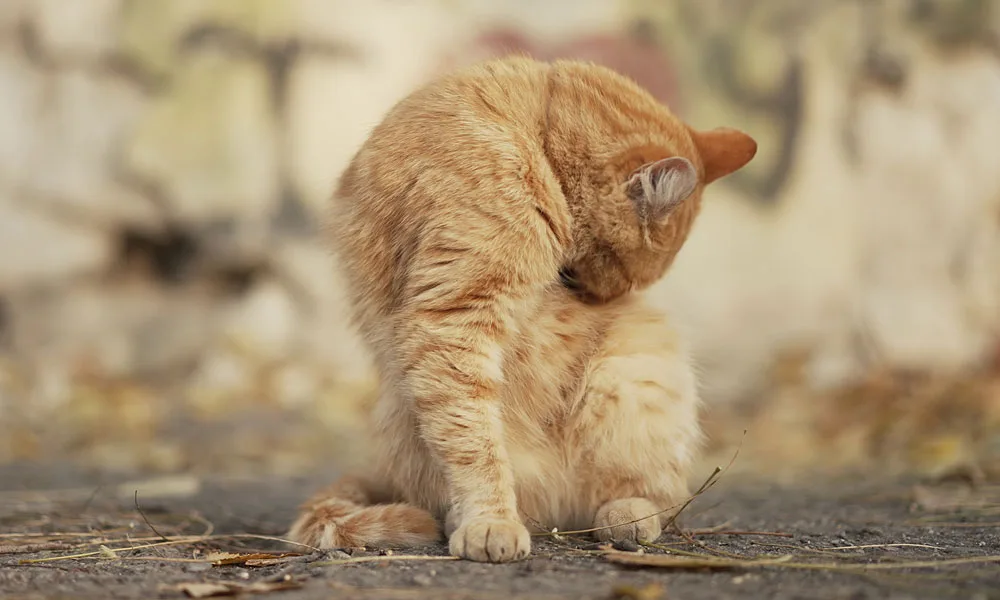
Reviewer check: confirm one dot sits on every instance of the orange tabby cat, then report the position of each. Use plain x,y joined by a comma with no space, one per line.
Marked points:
505,399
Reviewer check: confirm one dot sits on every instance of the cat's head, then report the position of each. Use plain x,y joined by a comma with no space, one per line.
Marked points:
633,175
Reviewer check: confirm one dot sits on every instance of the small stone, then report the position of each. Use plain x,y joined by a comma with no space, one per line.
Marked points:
422,580
198,567
626,546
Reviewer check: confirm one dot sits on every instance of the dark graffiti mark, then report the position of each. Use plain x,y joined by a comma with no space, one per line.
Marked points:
782,105
170,254
722,44
884,68
638,54
946,24
881,68
113,64
279,56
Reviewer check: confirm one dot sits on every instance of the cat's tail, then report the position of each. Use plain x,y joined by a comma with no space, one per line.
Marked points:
350,514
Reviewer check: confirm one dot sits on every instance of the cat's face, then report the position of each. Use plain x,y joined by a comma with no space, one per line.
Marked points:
642,219
633,175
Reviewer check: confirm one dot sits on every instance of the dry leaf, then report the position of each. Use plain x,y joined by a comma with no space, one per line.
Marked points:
228,558
205,590
219,555
264,587
652,591
208,590
167,486
277,559
663,561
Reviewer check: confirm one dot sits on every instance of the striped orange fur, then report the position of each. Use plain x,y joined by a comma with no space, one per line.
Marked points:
496,231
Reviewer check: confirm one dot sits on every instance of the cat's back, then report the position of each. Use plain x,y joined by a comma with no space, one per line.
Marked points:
461,157
482,99
473,119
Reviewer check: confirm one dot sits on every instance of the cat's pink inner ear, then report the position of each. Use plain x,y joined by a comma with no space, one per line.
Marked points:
658,187
723,151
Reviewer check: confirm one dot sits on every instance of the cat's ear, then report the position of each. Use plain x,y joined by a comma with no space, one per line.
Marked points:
658,187
723,151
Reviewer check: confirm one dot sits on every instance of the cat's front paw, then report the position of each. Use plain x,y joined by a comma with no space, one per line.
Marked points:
489,539
628,519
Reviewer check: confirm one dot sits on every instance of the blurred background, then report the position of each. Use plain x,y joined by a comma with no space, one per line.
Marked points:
166,303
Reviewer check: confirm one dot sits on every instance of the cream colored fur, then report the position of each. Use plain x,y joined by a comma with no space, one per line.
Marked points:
507,399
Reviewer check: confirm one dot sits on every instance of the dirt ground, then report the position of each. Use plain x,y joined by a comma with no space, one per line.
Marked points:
844,539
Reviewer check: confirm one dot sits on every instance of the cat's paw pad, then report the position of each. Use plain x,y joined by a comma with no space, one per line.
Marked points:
486,539
628,519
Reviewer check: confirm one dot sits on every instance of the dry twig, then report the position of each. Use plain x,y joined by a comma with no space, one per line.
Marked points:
170,542
386,558
784,562
707,485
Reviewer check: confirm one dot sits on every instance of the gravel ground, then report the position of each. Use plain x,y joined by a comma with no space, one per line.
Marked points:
808,525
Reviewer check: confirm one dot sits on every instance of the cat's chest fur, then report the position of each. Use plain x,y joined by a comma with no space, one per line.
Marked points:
548,369
545,365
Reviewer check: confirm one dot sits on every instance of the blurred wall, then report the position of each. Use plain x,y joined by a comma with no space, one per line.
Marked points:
163,165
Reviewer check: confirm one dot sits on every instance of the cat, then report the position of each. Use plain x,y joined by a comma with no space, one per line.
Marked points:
496,231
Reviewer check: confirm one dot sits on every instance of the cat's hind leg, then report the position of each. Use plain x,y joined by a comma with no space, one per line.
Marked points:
632,519
355,512
637,429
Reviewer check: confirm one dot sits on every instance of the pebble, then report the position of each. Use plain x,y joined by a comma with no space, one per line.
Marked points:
627,546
